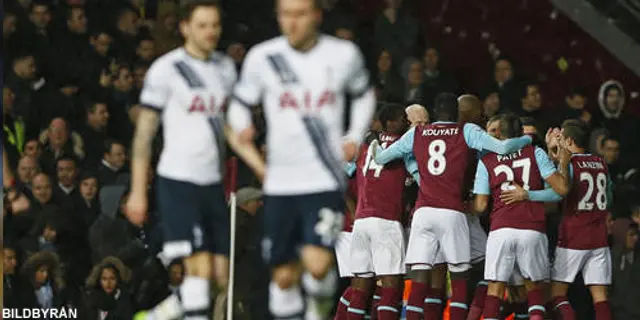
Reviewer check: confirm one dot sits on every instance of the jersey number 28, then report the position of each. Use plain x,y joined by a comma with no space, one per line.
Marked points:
370,164
600,184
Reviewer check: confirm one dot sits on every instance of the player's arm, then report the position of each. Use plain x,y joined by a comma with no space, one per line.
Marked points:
248,152
555,187
146,129
154,97
362,97
411,165
397,150
246,94
481,189
479,139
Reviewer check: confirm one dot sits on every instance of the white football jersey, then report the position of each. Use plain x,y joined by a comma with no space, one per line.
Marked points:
191,94
303,95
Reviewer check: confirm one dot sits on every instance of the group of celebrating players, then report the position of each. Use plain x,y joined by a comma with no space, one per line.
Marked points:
303,80
451,159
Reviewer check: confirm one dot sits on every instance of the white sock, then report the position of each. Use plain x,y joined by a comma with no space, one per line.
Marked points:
195,296
285,303
324,287
169,309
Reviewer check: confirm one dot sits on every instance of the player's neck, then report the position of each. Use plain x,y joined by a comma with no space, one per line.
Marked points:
577,150
196,53
307,45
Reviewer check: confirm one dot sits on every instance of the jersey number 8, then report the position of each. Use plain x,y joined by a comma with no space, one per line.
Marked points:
600,185
437,163
370,163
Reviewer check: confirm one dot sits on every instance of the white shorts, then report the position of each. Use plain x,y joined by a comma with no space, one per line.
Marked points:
510,249
595,265
377,247
436,231
477,241
343,251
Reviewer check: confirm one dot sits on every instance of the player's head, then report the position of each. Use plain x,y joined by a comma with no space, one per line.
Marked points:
299,21
446,107
509,126
574,138
417,115
469,109
392,118
201,25
493,125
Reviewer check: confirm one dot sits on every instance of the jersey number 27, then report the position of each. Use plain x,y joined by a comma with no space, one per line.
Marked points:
525,164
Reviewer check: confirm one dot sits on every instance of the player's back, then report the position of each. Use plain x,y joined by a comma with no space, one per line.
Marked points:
304,106
521,168
585,208
380,187
442,155
191,94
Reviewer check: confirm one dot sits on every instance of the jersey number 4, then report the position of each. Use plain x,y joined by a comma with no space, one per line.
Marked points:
370,164
600,184
525,164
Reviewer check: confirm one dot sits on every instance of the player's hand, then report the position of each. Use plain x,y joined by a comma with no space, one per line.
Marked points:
552,137
564,155
350,150
517,194
136,208
20,203
247,135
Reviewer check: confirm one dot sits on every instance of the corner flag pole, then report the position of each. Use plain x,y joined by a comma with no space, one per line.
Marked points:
232,242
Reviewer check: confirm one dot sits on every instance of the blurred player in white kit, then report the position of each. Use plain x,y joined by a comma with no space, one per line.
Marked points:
303,79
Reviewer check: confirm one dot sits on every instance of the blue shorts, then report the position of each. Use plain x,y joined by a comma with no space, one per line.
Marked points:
193,217
294,221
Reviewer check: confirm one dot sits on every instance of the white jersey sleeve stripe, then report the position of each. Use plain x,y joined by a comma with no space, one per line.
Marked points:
190,76
318,135
151,107
282,68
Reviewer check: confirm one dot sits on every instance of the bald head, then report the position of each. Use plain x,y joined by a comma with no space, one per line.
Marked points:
41,188
27,169
417,115
469,109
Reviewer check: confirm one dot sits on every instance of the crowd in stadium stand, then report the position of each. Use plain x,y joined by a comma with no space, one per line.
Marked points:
72,77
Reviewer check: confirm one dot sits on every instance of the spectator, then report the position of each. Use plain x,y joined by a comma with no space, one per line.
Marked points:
414,87
107,296
176,275
21,80
574,108
9,22
491,104
97,59
435,79
71,43
67,172
122,101
13,127
59,142
42,238
27,169
112,168
125,33
626,275
86,206
396,31
610,147
165,32
12,282
387,78
531,106
145,50
505,84
45,288
94,133
611,100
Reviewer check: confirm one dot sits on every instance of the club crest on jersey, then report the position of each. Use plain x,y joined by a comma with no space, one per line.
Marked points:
203,104
306,101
